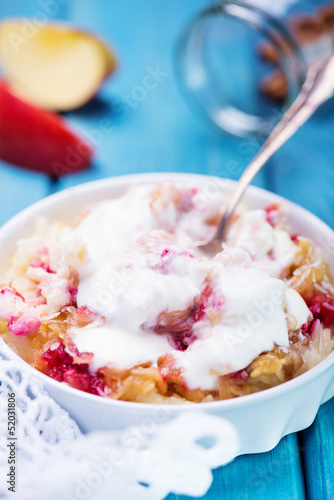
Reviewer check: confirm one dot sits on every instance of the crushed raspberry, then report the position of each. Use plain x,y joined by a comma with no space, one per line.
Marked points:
272,214
38,263
73,291
59,365
182,340
83,311
294,237
84,316
305,328
77,379
216,301
165,252
165,259
180,333
322,308
12,291
199,312
13,311
23,325
47,268
78,357
308,329
200,309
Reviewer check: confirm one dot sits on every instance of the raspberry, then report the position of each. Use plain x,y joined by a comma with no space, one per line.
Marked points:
59,365
322,308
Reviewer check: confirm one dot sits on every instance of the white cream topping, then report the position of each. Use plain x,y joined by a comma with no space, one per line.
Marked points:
297,311
137,263
124,348
118,268
253,321
120,280
270,247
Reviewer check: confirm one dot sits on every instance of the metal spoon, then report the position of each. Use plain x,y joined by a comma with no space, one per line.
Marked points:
318,87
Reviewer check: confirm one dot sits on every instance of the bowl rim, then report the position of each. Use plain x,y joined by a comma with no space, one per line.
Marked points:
124,180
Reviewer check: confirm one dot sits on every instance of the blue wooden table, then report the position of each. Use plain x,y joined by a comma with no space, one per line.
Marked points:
158,132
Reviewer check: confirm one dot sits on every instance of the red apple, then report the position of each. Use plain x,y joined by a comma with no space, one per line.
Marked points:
37,139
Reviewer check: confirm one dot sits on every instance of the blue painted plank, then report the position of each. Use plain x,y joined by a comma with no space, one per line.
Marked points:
318,444
38,11
18,189
274,475
303,170
268,476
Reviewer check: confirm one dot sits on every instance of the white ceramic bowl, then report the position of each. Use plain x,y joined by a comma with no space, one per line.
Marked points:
261,419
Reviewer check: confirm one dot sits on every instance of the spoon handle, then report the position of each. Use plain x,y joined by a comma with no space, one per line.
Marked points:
318,87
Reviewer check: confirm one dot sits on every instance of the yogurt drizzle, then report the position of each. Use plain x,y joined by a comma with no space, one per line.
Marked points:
140,263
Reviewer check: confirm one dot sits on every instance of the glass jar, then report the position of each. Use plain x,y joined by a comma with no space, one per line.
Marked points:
243,63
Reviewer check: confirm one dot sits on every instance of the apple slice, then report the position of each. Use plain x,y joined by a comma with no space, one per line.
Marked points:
38,139
55,66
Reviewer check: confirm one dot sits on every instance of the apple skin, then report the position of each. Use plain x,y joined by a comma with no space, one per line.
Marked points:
37,139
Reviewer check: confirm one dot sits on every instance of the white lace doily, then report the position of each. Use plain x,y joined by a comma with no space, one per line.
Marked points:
54,461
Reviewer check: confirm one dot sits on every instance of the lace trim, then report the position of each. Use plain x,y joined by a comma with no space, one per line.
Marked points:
55,461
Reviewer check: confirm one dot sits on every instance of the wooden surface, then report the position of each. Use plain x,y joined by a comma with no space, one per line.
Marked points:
161,133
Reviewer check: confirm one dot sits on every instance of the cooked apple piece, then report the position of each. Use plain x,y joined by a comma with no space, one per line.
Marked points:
38,139
55,66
